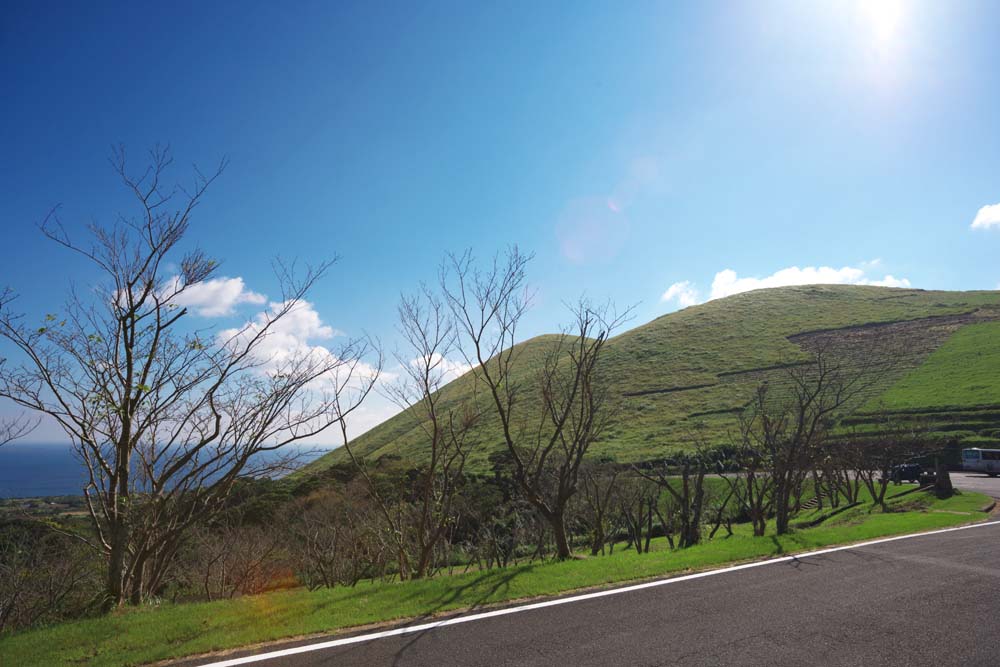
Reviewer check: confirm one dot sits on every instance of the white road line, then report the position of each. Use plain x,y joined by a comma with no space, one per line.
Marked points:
410,629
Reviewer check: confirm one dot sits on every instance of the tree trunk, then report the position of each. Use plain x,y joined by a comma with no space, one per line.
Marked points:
942,480
558,524
782,496
649,524
882,488
597,540
136,595
781,521
114,595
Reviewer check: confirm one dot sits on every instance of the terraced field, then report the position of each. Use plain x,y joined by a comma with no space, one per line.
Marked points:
694,370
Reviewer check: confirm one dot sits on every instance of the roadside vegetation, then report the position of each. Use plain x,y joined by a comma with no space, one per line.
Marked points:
149,634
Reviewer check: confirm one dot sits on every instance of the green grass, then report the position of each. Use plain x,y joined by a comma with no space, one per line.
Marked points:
965,371
166,631
704,345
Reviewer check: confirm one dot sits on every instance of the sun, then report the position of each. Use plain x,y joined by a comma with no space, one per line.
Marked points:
884,17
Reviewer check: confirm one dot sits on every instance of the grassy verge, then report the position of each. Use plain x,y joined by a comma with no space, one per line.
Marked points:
167,631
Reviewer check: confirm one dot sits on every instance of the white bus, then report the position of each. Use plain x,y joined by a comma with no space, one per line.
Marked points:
982,460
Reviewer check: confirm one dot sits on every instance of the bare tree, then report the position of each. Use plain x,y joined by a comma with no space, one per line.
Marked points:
833,476
788,425
638,503
500,520
16,427
872,453
683,478
719,507
422,522
600,496
165,417
13,428
547,445
751,483
228,559
44,577
335,539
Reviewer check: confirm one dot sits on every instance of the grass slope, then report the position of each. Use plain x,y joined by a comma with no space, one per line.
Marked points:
697,367
156,633
956,390
963,372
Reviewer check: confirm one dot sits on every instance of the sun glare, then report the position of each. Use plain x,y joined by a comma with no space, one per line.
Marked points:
884,17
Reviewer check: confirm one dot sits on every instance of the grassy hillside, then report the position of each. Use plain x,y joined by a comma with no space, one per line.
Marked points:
695,369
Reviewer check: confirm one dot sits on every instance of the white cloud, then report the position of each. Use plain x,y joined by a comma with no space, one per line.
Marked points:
448,369
293,337
216,297
684,293
300,334
889,281
287,338
727,282
375,410
302,321
988,216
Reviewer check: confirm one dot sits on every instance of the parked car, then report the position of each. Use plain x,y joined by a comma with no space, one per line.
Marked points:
927,477
906,472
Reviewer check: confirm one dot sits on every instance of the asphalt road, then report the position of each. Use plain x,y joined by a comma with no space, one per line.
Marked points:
928,600
977,481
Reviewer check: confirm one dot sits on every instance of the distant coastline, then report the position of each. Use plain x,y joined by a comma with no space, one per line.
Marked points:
33,470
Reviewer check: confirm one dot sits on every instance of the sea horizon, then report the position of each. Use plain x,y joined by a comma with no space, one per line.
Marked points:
40,469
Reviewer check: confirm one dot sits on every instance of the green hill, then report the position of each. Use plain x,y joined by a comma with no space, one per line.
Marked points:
697,368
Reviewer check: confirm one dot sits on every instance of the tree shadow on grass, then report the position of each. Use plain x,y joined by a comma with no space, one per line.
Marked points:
479,590
485,588
493,582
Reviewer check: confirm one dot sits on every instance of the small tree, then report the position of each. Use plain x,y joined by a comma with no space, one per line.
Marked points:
873,452
719,507
683,478
751,482
600,483
420,522
334,538
500,520
45,577
638,503
547,446
834,474
228,559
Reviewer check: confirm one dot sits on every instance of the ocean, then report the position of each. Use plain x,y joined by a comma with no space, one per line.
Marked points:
29,469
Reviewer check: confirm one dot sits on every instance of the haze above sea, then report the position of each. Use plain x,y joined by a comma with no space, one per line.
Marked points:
30,469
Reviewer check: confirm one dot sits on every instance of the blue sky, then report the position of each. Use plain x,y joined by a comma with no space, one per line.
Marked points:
709,147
